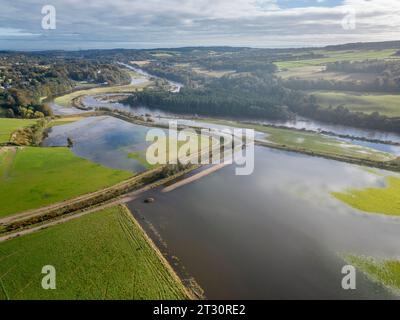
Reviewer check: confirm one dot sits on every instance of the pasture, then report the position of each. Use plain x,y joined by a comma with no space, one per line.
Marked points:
102,255
8,126
34,177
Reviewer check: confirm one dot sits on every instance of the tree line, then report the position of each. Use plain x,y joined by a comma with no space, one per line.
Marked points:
26,79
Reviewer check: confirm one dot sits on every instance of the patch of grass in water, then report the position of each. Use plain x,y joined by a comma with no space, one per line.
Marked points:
386,272
195,147
310,141
64,121
374,200
140,157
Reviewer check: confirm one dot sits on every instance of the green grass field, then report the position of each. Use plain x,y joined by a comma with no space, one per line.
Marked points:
314,73
333,56
311,141
312,69
102,255
8,126
34,177
386,104
213,73
374,200
386,272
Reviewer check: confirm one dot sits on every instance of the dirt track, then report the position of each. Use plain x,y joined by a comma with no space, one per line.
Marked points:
37,212
195,177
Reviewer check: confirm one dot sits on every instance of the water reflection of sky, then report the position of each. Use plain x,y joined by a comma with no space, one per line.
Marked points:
276,233
377,146
63,111
104,140
314,125
163,117
315,178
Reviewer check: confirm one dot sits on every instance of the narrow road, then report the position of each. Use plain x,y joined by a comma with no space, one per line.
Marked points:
195,177
127,198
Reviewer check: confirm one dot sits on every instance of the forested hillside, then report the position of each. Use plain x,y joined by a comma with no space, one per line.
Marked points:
26,79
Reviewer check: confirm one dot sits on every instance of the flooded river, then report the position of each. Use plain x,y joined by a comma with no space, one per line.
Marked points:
104,140
277,234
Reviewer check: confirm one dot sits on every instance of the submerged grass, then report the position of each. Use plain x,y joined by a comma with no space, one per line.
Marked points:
386,272
64,120
309,141
196,144
140,157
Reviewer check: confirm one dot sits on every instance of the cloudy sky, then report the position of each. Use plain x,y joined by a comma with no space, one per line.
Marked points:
174,23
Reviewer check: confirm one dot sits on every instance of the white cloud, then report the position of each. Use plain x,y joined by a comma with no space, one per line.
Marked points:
191,22
12,32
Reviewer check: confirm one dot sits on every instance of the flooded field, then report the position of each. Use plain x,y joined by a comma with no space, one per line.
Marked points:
277,234
104,140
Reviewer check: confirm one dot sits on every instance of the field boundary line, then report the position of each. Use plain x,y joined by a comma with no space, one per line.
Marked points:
191,295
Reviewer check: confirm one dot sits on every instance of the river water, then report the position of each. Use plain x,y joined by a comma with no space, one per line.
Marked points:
175,86
276,234
298,123
104,140
308,124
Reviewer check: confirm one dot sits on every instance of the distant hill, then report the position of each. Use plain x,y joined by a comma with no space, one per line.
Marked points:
366,46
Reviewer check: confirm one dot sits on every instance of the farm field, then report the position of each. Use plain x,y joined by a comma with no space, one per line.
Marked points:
320,73
103,255
333,56
386,104
213,73
34,177
8,126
